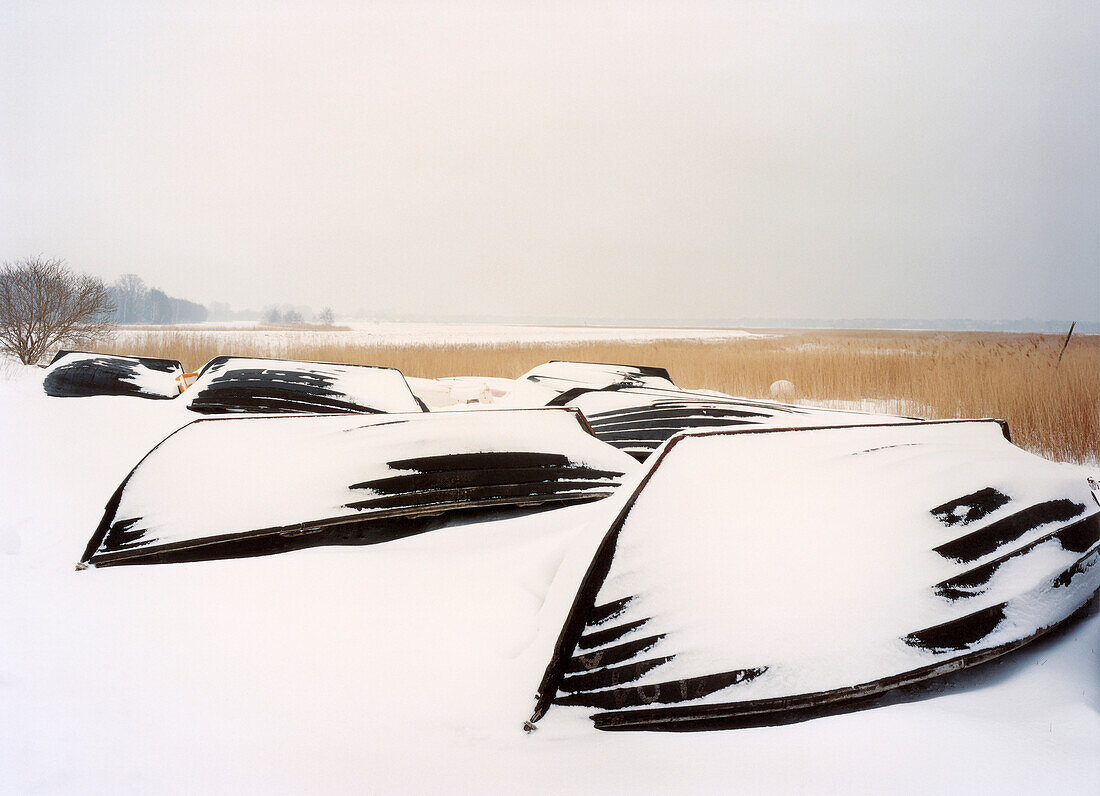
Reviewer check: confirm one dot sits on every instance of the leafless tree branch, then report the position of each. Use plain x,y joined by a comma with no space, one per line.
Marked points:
44,305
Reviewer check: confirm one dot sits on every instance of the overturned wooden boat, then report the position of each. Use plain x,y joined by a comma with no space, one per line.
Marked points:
774,562
639,420
277,483
79,374
249,385
564,375
762,576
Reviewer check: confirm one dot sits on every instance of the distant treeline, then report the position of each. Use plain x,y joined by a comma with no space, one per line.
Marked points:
136,303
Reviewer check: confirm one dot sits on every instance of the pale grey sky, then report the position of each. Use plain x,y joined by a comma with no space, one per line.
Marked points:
576,160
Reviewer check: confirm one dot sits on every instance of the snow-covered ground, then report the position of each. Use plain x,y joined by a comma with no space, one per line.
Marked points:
411,665
393,333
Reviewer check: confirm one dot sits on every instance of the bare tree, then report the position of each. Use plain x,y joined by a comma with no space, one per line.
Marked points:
327,317
43,305
130,296
160,307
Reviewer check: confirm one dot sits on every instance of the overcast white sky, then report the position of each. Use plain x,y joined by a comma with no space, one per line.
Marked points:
628,160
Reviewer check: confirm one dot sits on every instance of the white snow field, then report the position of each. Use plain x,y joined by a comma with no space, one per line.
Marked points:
276,343
410,666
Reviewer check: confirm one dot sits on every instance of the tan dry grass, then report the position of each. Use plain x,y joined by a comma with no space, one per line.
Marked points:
1053,412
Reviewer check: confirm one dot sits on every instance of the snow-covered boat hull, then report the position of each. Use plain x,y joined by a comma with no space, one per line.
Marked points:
237,385
78,374
244,486
564,375
767,576
639,419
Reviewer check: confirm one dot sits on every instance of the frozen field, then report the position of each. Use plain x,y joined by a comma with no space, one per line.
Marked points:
410,666
365,333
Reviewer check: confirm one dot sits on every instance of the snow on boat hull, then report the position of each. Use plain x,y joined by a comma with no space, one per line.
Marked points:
270,484
77,374
238,385
562,376
767,576
790,710
639,419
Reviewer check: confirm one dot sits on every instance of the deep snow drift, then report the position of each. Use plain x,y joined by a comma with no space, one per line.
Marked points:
410,665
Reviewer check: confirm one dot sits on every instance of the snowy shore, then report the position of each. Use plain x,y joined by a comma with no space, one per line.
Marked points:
409,666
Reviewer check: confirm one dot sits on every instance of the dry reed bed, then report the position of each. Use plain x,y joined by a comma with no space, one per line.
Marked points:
1052,411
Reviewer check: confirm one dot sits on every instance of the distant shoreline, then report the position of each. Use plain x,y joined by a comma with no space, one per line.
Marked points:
754,325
